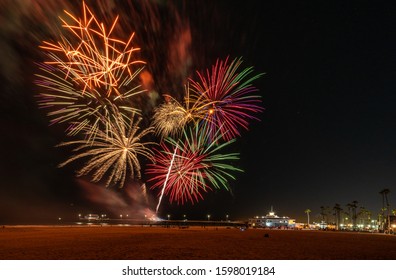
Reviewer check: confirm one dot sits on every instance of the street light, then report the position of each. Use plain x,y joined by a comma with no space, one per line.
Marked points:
168,217
208,217
226,217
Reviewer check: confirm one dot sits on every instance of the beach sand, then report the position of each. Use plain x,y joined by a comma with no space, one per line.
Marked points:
193,243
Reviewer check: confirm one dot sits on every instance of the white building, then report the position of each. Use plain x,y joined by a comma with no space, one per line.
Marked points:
272,221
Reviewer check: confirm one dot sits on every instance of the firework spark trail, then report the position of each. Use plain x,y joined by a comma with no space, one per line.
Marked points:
166,180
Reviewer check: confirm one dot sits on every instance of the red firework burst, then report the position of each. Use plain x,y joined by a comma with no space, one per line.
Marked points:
190,166
225,97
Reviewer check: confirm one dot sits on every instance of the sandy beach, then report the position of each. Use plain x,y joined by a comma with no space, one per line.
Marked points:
193,243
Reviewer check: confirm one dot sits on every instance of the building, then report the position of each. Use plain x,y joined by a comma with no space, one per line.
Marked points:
92,217
272,221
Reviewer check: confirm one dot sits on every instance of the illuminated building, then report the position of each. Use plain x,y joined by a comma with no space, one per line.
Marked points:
92,217
272,221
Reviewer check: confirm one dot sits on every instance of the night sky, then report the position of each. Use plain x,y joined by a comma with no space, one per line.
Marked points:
327,135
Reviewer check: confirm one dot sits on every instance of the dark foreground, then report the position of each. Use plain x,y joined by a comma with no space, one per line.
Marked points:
194,243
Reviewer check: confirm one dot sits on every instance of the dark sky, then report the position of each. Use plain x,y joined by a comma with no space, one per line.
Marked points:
328,133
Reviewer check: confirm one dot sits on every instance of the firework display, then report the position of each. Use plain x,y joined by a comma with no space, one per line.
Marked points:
191,165
171,117
86,71
225,98
114,152
91,81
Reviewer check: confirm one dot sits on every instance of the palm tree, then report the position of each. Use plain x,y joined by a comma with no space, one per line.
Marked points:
322,212
337,212
352,212
345,218
364,216
307,211
384,194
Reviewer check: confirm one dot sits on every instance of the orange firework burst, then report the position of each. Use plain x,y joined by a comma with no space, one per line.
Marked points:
93,57
88,70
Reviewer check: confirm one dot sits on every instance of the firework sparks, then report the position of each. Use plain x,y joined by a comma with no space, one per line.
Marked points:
188,167
225,98
86,72
90,81
93,57
115,152
171,117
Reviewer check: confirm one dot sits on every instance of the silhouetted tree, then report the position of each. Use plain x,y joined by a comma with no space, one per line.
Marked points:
385,206
307,211
352,212
337,213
